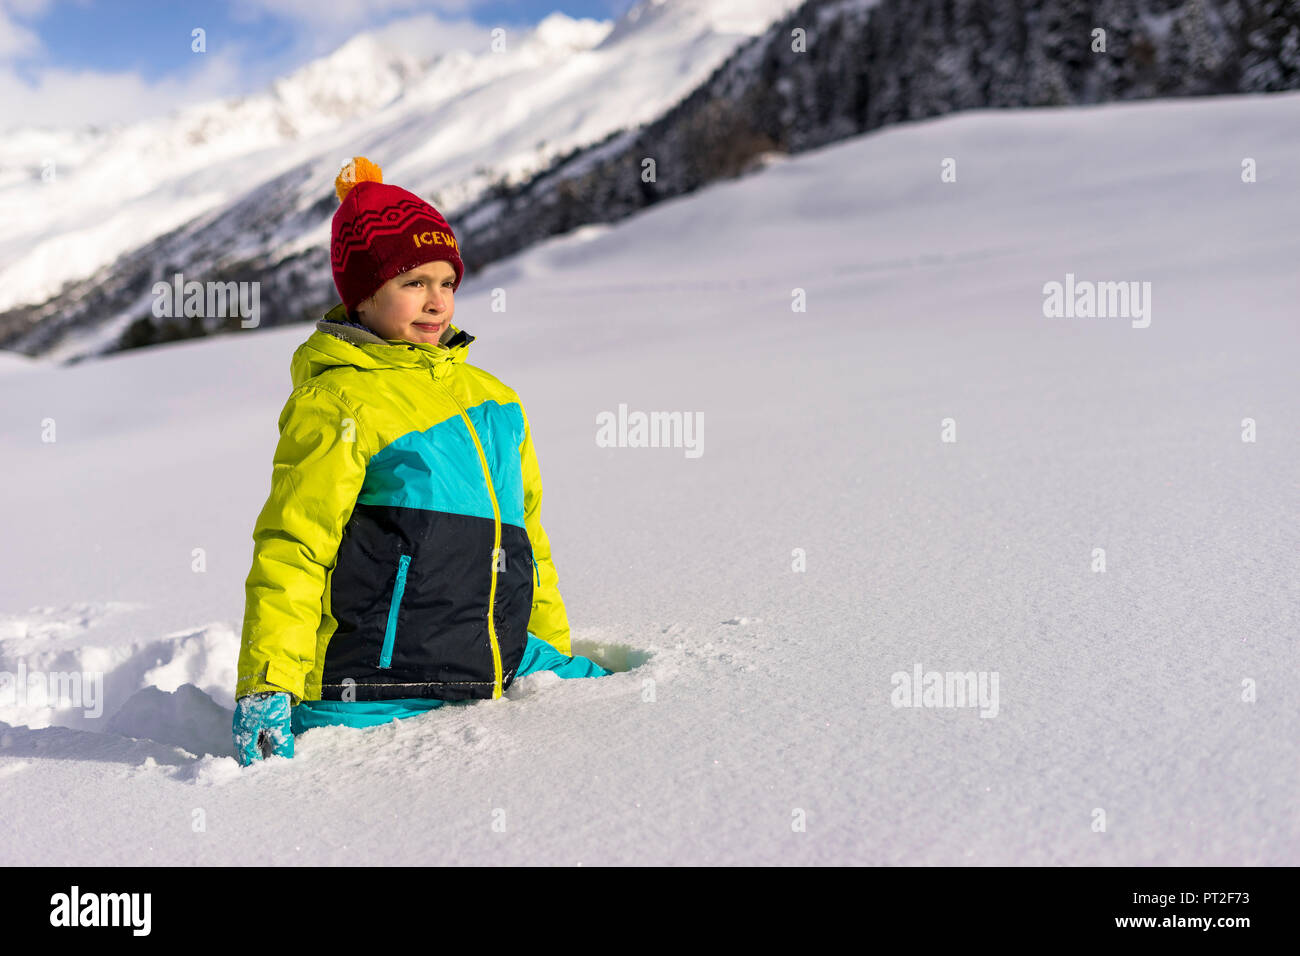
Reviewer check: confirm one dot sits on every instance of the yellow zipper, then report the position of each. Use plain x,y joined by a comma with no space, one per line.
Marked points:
496,545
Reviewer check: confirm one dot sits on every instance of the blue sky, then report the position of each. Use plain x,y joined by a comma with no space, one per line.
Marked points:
64,62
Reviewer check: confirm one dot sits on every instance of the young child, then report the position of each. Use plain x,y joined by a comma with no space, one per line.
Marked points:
400,561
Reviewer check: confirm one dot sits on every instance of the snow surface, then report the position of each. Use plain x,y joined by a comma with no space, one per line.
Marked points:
1118,691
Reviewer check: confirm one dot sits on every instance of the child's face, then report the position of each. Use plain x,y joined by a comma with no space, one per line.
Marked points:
415,306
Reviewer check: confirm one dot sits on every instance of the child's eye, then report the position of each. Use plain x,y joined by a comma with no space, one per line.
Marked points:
413,282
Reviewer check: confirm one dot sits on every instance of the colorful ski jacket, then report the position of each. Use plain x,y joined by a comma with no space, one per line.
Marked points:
401,552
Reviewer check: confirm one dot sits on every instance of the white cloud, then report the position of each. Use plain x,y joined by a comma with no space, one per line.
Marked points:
54,96
422,35
16,40
352,13
320,28
426,35
60,97
65,98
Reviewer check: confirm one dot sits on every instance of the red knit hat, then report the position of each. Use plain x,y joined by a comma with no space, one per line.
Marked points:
380,231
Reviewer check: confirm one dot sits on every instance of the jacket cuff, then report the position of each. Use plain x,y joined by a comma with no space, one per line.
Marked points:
275,679
285,679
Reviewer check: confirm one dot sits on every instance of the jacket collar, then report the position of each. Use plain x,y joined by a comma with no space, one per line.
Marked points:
338,341
338,323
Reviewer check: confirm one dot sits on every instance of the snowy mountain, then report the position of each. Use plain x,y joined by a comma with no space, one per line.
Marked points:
550,136
92,235
761,601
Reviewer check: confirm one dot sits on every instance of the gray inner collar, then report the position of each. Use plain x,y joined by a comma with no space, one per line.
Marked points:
351,332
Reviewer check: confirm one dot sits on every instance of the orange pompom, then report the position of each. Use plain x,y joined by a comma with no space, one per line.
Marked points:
356,170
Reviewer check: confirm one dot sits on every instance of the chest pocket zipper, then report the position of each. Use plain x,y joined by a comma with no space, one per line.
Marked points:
390,632
537,571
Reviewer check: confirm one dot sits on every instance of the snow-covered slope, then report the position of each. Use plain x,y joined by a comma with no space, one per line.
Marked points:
749,692
446,125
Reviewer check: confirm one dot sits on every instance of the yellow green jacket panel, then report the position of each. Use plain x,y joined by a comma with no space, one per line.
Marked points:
400,553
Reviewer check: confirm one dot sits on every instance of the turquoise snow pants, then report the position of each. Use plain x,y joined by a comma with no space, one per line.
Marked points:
538,656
